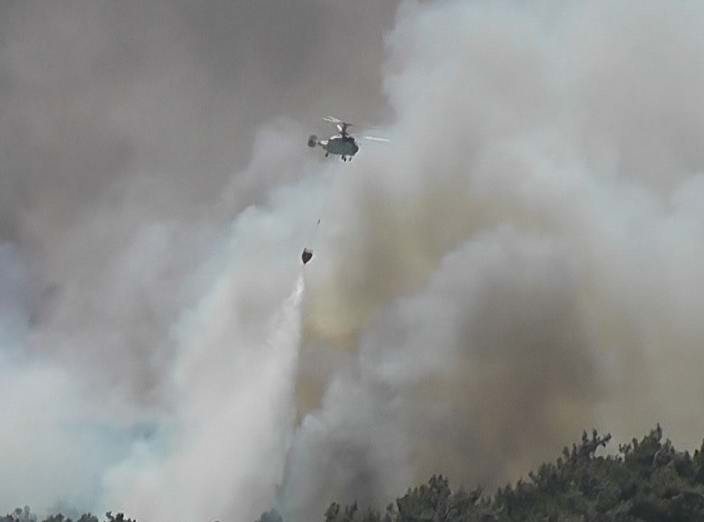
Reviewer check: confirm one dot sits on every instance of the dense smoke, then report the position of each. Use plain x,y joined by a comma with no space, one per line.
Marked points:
521,262
234,414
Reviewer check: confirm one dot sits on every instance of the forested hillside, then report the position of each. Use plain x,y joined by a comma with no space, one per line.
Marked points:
647,480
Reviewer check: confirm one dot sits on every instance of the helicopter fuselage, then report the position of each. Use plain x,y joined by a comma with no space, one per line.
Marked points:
341,145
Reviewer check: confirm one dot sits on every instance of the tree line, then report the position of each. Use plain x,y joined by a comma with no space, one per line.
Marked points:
646,480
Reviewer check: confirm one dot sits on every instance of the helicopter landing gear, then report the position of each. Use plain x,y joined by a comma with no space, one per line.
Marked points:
327,154
344,158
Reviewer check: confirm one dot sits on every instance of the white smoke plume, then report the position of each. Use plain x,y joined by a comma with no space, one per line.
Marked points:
520,263
234,413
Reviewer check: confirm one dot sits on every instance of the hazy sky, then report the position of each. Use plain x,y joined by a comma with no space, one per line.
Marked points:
520,263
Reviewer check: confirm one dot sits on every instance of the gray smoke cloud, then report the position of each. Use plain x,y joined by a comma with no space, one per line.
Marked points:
518,264
527,267
133,137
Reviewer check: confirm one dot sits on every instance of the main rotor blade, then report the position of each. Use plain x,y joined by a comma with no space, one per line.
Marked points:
375,138
332,119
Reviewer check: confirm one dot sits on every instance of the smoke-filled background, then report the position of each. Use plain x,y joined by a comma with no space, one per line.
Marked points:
521,262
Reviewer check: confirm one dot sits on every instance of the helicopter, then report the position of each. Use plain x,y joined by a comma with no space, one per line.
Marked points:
342,144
